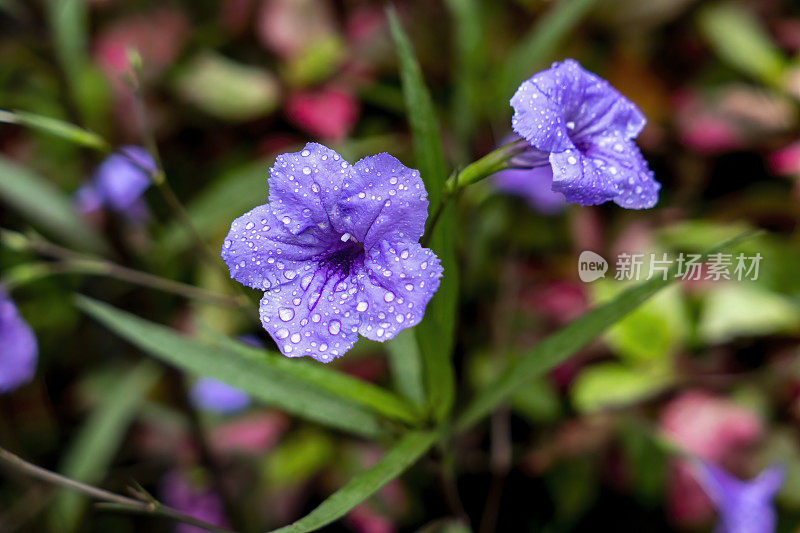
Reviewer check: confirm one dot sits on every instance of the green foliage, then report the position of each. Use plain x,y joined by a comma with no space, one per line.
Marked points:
401,456
45,205
58,128
262,381
614,385
435,334
91,452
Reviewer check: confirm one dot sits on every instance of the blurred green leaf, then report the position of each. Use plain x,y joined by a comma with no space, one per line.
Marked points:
435,333
739,39
69,21
260,379
539,45
59,128
45,205
89,455
615,385
226,89
406,365
732,310
344,386
235,192
400,457
647,461
559,346
652,331
318,61
574,486
538,402
470,56
298,457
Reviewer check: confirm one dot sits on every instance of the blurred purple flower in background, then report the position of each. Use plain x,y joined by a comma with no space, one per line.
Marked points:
532,180
583,128
336,250
742,506
18,347
201,503
118,183
213,395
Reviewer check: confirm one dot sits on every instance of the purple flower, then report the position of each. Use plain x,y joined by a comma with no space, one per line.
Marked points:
18,347
201,503
584,129
742,506
118,183
212,395
532,180
336,251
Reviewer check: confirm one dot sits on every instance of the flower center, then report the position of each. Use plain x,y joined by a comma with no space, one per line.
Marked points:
343,258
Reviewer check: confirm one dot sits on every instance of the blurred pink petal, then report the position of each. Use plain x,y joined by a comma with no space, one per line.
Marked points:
329,114
289,27
364,519
786,161
254,433
236,15
563,301
158,36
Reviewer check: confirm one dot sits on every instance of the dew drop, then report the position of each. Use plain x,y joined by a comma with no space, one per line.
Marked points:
282,333
409,287
334,327
295,338
362,306
286,314
388,297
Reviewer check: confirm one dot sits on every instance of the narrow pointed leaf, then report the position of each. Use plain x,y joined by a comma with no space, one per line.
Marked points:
435,333
261,380
45,205
404,360
404,454
53,126
559,346
89,455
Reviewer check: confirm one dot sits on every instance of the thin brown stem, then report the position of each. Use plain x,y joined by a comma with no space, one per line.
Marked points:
111,499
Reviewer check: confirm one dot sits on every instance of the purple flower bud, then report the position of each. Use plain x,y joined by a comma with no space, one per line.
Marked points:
118,183
336,251
201,503
212,395
18,347
742,506
584,128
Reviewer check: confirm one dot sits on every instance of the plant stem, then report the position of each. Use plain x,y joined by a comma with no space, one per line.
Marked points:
113,500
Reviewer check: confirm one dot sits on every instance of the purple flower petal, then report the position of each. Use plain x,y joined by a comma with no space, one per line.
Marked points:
261,252
587,127
396,285
213,395
314,315
609,169
18,347
535,185
383,199
304,187
122,178
202,503
743,506
317,248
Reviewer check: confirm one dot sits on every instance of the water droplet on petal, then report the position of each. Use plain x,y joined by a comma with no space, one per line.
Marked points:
388,297
282,333
295,338
286,314
334,327
362,306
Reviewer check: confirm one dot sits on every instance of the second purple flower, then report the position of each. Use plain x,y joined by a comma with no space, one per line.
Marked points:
336,251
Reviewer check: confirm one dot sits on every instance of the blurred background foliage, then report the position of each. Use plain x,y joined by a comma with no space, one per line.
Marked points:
709,367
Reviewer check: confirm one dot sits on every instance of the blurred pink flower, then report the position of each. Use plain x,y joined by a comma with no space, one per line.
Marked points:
200,502
786,161
711,428
563,301
158,36
254,433
365,519
289,27
329,114
235,15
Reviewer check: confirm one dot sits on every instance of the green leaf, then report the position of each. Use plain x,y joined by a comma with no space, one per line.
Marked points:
45,205
406,365
226,89
69,22
298,457
435,333
739,39
539,45
89,455
614,385
261,380
59,128
743,309
404,454
421,117
559,346
353,389
211,212
469,61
